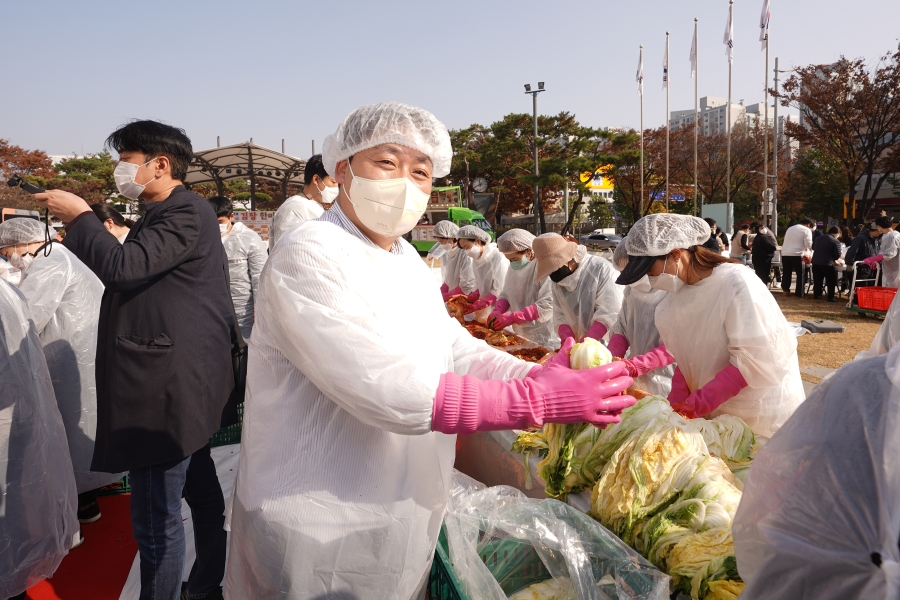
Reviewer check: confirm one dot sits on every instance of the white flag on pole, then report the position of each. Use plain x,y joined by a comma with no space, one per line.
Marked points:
764,24
639,78
729,36
693,56
666,67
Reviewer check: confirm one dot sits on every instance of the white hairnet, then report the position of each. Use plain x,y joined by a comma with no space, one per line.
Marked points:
515,240
385,123
22,231
620,256
446,229
656,235
472,232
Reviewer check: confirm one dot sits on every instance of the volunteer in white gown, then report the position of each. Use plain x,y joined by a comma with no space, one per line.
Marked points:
64,300
489,266
734,351
456,265
37,520
820,514
635,333
586,299
888,253
319,191
524,304
358,380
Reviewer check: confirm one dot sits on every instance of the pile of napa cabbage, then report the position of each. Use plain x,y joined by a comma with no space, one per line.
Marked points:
666,485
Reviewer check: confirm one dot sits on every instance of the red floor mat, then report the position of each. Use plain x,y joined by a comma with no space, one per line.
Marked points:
97,569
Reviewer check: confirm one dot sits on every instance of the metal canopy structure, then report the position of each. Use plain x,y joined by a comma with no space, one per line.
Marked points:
245,161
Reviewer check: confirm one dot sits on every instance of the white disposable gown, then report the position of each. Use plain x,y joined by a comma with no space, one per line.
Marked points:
889,247
342,485
64,296
456,270
588,295
887,334
38,505
490,273
730,317
637,322
520,291
292,212
820,514
246,257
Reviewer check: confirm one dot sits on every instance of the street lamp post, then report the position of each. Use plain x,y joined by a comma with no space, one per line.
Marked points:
538,209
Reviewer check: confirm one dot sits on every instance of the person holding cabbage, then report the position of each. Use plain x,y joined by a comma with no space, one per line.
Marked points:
352,410
734,351
524,304
586,299
456,265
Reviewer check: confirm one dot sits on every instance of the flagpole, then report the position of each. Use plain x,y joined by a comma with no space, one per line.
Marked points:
668,121
728,159
696,107
642,134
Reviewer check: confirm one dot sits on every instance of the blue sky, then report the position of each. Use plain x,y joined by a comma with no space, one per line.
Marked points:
269,70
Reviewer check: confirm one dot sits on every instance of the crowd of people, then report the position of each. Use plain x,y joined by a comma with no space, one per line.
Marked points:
124,352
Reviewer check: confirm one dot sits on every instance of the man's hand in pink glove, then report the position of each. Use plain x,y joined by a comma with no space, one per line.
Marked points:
481,303
500,307
565,332
554,394
724,386
450,293
655,359
618,345
526,315
873,260
597,331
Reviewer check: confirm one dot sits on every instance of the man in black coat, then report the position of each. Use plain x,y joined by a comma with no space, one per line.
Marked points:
826,250
763,251
863,247
164,370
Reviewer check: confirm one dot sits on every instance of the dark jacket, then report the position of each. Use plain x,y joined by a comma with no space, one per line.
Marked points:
826,250
863,247
764,245
164,368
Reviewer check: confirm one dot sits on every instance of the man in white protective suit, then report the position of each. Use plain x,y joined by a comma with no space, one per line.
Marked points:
358,381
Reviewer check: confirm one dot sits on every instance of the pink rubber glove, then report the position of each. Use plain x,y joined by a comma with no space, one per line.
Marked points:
450,293
680,390
565,332
482,303
873,259
597,331
723,387
466,404
526,315
618,345
655,359
473,296
499,308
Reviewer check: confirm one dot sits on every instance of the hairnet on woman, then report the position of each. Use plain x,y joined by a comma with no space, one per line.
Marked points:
488,264
524,304
352,407
734,350
456,265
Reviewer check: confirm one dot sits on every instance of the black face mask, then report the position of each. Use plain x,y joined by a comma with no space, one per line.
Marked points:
560,274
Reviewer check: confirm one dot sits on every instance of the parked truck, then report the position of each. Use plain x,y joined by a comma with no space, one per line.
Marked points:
446,204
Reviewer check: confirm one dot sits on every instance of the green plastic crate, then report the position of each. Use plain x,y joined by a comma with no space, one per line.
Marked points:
231,434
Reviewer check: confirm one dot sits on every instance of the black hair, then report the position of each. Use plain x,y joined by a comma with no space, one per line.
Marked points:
884,222
154,139
833,230
806,222
710,221
105,211
314,166
222,205
743,227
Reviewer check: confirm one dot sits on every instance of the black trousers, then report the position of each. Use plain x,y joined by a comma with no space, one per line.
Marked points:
824,275
763,266
791,265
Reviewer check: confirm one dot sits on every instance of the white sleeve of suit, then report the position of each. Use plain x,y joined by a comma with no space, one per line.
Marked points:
807,238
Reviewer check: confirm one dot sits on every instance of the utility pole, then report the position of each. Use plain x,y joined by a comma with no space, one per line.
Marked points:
539,225
775,152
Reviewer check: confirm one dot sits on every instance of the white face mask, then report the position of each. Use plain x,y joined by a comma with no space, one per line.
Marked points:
328,194
447,247
21,262
763,230
474,251
641,285
124,174
223,229
666,281
388,207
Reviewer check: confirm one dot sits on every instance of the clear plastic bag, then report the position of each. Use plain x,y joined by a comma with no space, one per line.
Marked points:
501,541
